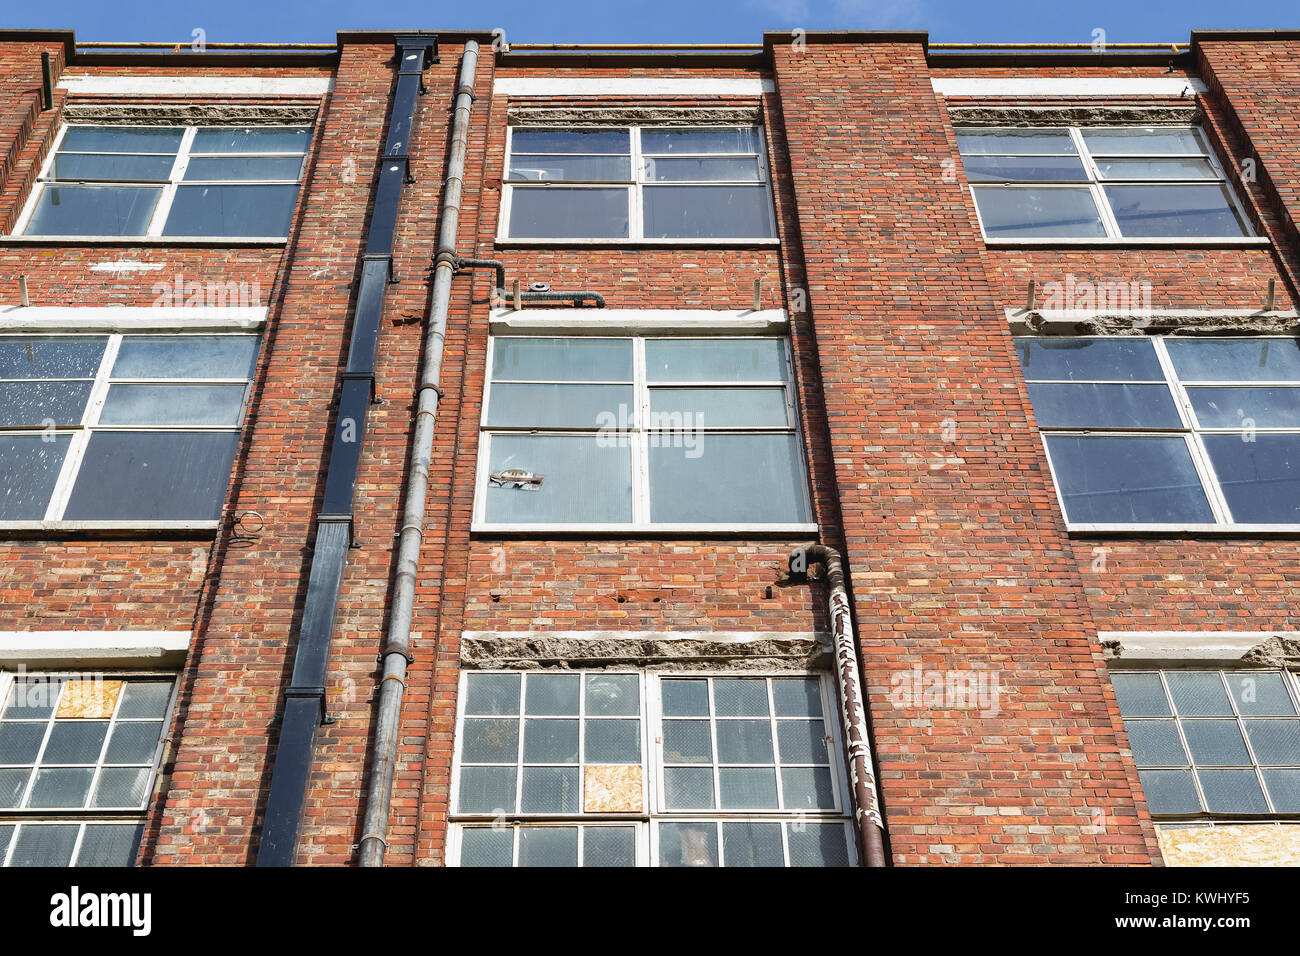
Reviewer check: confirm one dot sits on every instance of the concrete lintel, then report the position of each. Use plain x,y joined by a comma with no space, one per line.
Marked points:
1146,321
1257,648
571,321
39,318
79,649
664,650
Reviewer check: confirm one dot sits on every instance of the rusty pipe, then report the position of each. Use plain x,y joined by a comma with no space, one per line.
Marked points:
853,707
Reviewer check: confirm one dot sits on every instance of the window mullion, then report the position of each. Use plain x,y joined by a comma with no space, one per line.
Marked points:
1200,456
639,440
81,437
636,196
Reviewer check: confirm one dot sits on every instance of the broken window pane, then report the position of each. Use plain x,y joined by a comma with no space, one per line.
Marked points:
587,480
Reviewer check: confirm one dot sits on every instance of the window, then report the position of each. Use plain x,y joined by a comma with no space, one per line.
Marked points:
120,427
1127,182
1167,432
78,756
220,181
626,433
637,183
637,769
1217,742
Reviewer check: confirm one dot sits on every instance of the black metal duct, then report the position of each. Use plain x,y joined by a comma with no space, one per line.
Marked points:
304,705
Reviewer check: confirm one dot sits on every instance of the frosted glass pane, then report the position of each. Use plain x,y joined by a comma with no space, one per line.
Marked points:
588,480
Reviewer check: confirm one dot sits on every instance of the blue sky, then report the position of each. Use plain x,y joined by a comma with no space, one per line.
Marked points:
657,21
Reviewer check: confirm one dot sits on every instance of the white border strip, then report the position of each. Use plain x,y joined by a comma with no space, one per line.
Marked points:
631,86
198,85
720,637
1067,86
1173,646
122,318
76,647
739,321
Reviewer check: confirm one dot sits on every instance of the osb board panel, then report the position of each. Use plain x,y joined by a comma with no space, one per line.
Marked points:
612,790
1253,845
89,699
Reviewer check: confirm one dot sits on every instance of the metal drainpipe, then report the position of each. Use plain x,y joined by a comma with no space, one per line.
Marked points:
866,809
396,653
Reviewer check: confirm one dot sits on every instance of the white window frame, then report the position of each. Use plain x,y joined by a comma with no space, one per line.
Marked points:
83,431
638,437
168,187
653,811
635,188
1095,185
1190,432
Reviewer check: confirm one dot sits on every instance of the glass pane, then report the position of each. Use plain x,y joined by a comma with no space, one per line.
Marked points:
44,845
1284,788
1139,140
613,741
551,790
1024,169
122,787
550,741
93,211
685,741
62,356
744,788
665,169
740,697
801,741
492,694
145,699
186,356
42,403
487,846
744,741
1156,169
699,477
1174,211
109,845
587,479
548,846
123,139
715,360
752,844
227,167
685,697
34,697
1199,695
75,741
613,695
564,213
685,408
551,694
1037,142
688,788
561,360
562,406
1260,477
112,168
817,844
1260,695
1275,742
795,697
609,846
488,740
20,743
173,405
1170,791
6,834
1232,791
13,783
1235,360
1216,743
1128,480
29,468
570,141
134,742
153,476
1025,212
231,211
1156,743
1246,408
807,788
571,167
252,139
60,788
487,790
706,212
726,139
688,844
1089,360
1104,406
1140,695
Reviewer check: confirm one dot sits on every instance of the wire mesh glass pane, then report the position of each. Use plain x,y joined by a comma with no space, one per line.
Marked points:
123,139
609,846
134,742
122,787
75,741
12,785
550,741
1232,791
1038,142
551,694
587,479
744,741
747,788
688,788
488,740
706,212
181,405
231,211
487,789
1235,360
251,139
1128,480
44,845
684,697
613,741
1275,742
807,788
1260,477
613,695
32,698
1284,789
1245,408
802,741
63,787
1155,743
1048,358
740,697
1260,695
752,844
492,694
20,743
29,469
1215,743
1174,210
561,360
705,477
687,741
555,212
688,844
551,790
236,168
93,211
715,360
1140,695
1033,212
1103,406
186,356
113,168
817,844
487,846
145,699
6,835
796,697
109,845
548,846
1170,791
1199,695
42,403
